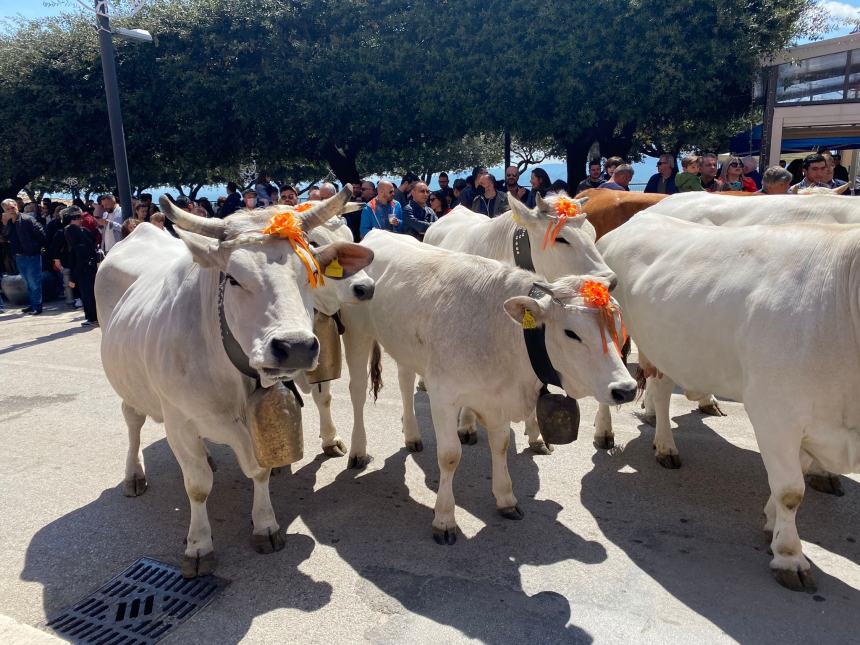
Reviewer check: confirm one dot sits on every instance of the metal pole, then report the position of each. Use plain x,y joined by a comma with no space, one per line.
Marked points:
507,148
114,115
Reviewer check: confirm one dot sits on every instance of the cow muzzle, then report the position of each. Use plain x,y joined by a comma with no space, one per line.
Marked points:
287,354
622,392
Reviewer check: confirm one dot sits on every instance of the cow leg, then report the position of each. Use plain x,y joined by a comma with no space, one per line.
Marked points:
820,479
536,443
498,436
708,403
779,444
332,445
604,437
267,536
197,476
649,415
411,434
448,452
664,443
357,351
467,427
134,483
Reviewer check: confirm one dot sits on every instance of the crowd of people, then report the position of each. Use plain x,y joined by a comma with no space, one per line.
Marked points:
61,245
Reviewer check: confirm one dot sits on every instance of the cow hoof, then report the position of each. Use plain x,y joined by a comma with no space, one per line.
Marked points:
827,483
540,447
795,580
337,449
511,513
467,437
359,462
421,387
134,487
196,566
445,536
415,446
604,442
212,465
712,409
269,542
673,462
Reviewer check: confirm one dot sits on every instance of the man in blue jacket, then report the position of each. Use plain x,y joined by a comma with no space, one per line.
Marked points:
663,181
383,211
27,237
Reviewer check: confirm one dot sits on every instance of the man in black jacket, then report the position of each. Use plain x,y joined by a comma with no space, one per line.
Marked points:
417,215
27,237
84,259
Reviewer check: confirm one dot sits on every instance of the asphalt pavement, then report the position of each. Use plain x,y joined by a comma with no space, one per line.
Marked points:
613,548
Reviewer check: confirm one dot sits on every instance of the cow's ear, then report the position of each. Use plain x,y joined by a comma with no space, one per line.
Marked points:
343,259
525,311
522,214
841,189
204,250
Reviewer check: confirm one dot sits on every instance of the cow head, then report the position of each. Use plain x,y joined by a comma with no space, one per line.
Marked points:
340,287
573,250
582,348
268,293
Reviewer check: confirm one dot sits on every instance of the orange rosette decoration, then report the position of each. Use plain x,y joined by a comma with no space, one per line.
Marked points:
596,295
565,209
287,226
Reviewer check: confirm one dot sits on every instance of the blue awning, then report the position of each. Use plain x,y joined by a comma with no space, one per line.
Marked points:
749,142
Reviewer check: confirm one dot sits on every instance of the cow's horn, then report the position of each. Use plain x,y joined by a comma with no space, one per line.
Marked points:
540,202
209,227
325,210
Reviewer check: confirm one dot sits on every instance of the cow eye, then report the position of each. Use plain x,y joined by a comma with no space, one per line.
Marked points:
561,240
572,334
233,282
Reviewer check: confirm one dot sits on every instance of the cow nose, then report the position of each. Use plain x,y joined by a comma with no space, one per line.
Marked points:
363,291
295,353
623,393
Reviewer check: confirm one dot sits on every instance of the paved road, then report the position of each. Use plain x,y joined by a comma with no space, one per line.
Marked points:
613,548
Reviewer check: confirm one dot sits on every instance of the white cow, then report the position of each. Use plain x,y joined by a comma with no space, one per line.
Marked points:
763,314
163,353
573,252
726,210
456,319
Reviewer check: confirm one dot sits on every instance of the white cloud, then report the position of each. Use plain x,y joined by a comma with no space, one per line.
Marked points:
841,10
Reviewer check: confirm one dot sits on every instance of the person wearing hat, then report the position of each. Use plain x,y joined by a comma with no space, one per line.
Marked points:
250,199
83,260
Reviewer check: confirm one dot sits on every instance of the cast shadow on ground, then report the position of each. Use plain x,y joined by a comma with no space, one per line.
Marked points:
80,551
47,338
697,532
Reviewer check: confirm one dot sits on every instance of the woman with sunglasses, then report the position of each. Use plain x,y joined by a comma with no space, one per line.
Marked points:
732,176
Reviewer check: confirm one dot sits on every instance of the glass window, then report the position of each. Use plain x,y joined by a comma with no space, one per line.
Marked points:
815,79
854,76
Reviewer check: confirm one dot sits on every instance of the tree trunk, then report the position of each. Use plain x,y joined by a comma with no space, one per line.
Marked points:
576,152
342,163
16,185
194,191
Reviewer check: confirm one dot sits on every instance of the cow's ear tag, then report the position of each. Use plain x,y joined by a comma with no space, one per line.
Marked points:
529,321
334,270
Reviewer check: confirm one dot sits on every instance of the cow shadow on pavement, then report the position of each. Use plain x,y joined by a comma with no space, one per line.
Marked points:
78,552
697,532
473,586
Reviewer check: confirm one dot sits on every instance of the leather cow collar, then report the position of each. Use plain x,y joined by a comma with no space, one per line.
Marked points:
535,340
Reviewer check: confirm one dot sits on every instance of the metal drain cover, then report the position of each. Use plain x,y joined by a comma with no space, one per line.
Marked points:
140,605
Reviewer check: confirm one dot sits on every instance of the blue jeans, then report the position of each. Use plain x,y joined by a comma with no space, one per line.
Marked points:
30,268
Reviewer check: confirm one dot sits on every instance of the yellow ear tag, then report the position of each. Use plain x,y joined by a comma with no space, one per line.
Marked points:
529,321
334,270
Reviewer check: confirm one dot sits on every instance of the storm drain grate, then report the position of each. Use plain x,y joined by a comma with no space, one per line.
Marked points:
140,605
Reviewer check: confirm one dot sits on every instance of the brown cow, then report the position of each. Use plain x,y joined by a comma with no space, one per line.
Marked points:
609,209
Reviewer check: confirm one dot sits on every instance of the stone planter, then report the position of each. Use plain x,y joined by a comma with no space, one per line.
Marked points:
15,290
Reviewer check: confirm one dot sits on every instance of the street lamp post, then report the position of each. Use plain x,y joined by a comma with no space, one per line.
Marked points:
117,135
108,54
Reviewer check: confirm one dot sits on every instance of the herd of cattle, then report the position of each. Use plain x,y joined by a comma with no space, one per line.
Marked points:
752,298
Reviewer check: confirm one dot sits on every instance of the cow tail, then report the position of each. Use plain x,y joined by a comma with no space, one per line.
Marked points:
375,370
641,380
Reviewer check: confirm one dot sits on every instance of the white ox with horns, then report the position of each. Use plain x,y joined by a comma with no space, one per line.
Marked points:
458,321
573,252
163,352
764,314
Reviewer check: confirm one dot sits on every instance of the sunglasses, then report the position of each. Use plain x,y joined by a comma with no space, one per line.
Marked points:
734,164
